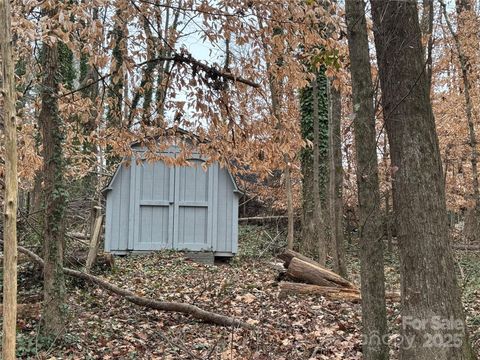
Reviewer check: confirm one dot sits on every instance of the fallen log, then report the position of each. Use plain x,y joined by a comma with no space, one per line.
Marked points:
188,309
335,293
315,274
466,247
288,255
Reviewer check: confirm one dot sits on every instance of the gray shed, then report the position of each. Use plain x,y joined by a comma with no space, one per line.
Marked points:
152,206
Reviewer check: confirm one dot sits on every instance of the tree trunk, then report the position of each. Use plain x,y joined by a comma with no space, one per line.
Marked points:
309,243
276,102
388,227
11,186
428,284
290,212
427,31
336,183
374,316
54,311
317,205
463,8
116,89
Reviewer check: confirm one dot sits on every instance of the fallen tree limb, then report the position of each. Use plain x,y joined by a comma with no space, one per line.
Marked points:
188,309
335,293
313,273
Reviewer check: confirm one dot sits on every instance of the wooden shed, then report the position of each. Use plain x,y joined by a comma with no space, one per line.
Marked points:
152,206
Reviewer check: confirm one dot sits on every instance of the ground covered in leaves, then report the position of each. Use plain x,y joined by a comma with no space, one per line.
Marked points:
104,326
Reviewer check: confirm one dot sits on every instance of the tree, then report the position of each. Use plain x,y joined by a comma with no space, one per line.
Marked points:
54,308
318,219
463,10
429,288
11,186
314,112
374,315
335,182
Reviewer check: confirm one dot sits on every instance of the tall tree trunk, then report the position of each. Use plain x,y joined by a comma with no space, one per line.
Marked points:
11,186
116,89
54,311
427,31
290,212
388,227
429,288
317,205
374,315
309,243
276,96
336,182
463,8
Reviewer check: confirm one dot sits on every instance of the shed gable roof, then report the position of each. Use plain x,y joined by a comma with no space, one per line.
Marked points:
112,179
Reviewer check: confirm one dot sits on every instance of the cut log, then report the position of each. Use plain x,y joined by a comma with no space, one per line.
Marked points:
288,255
335,293
315,274
192,310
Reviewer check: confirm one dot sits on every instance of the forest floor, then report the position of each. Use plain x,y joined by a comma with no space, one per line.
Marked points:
104,326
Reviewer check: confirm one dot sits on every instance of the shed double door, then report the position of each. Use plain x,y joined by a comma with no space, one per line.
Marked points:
171,206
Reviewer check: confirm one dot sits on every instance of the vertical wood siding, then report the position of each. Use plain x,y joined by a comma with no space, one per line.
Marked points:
151,206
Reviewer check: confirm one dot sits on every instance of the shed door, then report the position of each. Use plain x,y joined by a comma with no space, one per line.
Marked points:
154,184
191,216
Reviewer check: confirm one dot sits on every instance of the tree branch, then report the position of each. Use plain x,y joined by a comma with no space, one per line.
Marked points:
192,310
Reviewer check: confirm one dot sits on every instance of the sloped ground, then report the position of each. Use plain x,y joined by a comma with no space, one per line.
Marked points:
107,327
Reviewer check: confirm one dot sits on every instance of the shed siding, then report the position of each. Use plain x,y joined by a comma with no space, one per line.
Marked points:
224,211
118,204
151,206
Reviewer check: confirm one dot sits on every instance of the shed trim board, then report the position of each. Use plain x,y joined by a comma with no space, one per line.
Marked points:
171,207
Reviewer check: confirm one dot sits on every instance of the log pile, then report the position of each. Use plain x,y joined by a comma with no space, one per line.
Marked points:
316,280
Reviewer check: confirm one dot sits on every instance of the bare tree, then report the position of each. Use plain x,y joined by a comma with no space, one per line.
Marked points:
374,315
336,181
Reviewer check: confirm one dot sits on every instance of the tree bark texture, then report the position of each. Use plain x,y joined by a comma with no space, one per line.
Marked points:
429,287
336,182
54,308
318,221
7,92
374,316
